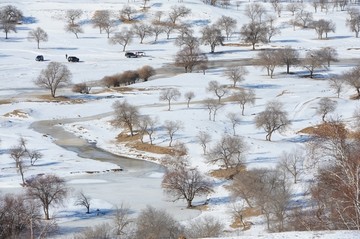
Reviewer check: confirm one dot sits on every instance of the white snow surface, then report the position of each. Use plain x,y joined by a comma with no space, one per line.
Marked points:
90,120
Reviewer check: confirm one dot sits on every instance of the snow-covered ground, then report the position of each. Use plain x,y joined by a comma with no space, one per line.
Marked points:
139,185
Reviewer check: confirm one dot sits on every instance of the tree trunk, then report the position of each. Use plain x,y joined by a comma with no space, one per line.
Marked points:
189,203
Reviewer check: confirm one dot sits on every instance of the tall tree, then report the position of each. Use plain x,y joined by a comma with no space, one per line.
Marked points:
38,35
236,74
254,33
287,56
227,24
122,38
10,16
169,95
243,97
211,35
54,76
126,115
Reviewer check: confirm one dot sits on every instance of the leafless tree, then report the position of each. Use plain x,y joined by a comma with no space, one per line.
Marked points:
101,19
38,35
337,84
74,28
272,30
9,18
156,223
294,7
325,107
328,54
146,72
204,139
169,95
352,78
122,221
122,38
272,119
157,30
303,18
48,189
142,30
293,163
189,96
211,35
158,15
219,90
207,226
227,24
53,77
126,115
278,7
189,57
255,12
213,106
268,60
171,128
81,88
312,61
72,15
322,26
178,159
186,183
353,22
253,33
229,152
147,125
288,56
234,120
236,74
83,200
244,97
177,12
169,27
127,13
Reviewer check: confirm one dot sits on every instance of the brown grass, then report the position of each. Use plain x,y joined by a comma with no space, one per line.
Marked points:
246,213
327,130
17,113
227,173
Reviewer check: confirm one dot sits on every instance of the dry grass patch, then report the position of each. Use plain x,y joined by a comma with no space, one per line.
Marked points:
227,173
246,213
152,148
17,113
327,130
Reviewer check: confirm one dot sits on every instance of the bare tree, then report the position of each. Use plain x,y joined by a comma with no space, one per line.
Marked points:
81,88
244,97
328,54
227,24
294,7
303,18
207,226
337,84
122,221
189,57
126,115
177,12
204,139
325,107
268,60
211,35
74,28
272,119
219,90
353,22
9,18
156,223
189,96
187,40
147,125
122,38
142,30
255,12
254,33
172,127
213,106
169,27
229,152
352,78
287,56
186,183
312,61
127,13
83,200
53,77
146,72
234,120
38,35
72,15
101,19
169,95
322,26
48,189
293,163
236,74
157,30
102,231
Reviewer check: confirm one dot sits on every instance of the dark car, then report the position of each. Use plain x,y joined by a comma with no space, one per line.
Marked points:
39,58
131,55
73,59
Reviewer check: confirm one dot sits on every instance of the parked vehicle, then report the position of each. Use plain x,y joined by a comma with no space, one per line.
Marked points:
39,58
131,55
72,59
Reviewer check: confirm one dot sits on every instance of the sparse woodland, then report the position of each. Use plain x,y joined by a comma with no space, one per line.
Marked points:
312,186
